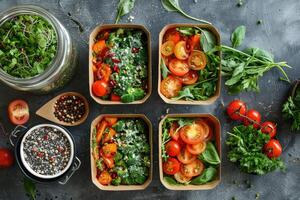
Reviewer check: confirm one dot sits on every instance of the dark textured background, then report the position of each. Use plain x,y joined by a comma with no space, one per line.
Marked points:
278,33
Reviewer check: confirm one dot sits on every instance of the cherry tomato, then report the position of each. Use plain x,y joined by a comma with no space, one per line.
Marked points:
236,110
18,112
185,156
172,148
180,50
196,149
109,150
171,166
190,78
172,35
178,67
170,87
100,130
179,177
105,178
111,120
273,149
193,134
104,72
173,131
205,127
167,48
269,128
108,135
99,46
194,42
252,118
192,169
197,60
100,88
6,158
115,97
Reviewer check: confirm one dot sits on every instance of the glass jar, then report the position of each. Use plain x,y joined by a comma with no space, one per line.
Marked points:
63,65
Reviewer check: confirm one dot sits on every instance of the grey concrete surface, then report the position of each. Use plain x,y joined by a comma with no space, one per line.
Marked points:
279,33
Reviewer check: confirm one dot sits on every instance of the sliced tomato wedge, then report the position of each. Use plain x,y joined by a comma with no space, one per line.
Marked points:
167,48
111,120
108,135
192,134
180,50
179,177
205,127
109,150
172,35
100,130
170,86
115,97
185,156
190,78
171,166
196,149
109,162
173,131
192,169
197,60
18,112
194,42
178,67
104,178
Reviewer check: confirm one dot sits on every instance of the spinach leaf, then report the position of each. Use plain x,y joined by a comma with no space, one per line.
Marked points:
170,180
208,40
124,7
260,54
173,6
238,36
188,31
164,69
208,175
210,155
30,188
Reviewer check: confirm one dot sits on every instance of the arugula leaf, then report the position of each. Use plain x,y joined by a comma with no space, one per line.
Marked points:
291,110
124,7
173,6
30,188
238,36
208,175
164,69
188,31
185,93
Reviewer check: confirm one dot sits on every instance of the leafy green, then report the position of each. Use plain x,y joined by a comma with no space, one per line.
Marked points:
133,94
246,149
208,175
28,46
170,180
124,7
164,69
238,36
291,110
210,155
208,40
173,6
30,188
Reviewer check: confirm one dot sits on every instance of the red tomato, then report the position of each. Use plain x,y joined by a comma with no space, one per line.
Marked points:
269,128
172,35
236,110
6,158
196,149
193,134
104,72
195,168
180,50
167,48
172,148
178,67
115,97
190,78
109,162
197,60
104,178
99,46
185,156
179,177
109,150
170,87
18,112
252,118
111,120
171,166
173,131
273,149
100,88
194,42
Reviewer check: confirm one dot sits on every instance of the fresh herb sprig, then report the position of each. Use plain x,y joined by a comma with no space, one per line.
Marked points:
124,7
30,189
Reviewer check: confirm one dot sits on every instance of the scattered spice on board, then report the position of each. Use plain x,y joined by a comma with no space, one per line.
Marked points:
69,108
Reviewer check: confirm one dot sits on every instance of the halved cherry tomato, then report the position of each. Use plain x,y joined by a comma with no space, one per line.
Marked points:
109,162
180,50
108,135
195,42
100,88
192,169
273,149
185,156
172,148
192,134
196,149
190,78
269,128
171,166
18,112
172,35
205,127
109,150
179,177
115,97
104,178
167,48
178,67
100,130
197,60
236,109
211,129
104,72
170,87
6,158
111,120
252,118
173,131
99,46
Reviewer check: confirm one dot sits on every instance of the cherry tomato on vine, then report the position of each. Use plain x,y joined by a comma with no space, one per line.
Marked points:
273,149
252,118
236,109
269,128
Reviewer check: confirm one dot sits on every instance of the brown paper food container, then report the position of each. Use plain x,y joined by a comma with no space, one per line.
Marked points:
184,102
91,76
93,163
217,133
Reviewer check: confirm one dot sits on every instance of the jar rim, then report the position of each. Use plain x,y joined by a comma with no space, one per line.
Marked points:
30,9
